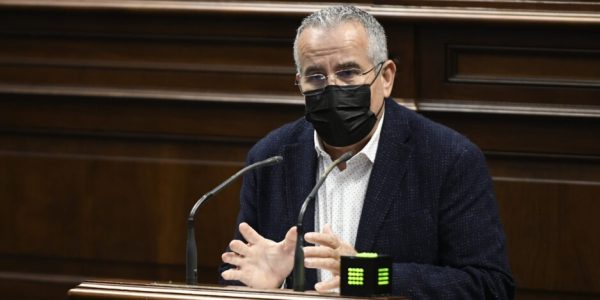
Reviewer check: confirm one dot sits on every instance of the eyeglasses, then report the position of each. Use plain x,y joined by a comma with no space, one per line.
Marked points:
316,83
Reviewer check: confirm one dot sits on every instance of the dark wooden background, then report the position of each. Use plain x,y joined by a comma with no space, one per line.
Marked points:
115,116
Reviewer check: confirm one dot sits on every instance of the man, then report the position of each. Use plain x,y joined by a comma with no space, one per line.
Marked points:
414,190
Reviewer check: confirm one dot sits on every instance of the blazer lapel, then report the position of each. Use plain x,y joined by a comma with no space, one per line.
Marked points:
389,167
300,172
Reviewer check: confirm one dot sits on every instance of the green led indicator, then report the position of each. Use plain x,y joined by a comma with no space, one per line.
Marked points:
367,255
383,276
356,276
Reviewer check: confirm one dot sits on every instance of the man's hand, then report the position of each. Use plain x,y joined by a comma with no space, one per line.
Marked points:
326,255
261,263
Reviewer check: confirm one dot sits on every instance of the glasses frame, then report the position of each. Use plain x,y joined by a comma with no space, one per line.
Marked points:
346,87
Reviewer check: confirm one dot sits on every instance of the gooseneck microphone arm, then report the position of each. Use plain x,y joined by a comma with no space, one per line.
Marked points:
299,254
191,262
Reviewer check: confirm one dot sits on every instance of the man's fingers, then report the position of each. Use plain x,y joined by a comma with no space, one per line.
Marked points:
231,258
239,247
346,250
232,274
250,234
328,264
323,239
327,229
320,251
326,286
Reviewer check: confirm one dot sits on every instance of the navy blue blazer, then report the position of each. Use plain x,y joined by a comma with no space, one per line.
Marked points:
429,204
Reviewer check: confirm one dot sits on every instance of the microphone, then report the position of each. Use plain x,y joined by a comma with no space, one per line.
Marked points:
299,254
191,262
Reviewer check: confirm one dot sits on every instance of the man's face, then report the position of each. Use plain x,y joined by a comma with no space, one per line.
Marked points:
327,51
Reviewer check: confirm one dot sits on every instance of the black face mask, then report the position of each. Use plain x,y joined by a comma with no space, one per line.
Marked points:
341,115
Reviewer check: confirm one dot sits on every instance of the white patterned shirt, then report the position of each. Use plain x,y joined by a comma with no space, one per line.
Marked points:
340,199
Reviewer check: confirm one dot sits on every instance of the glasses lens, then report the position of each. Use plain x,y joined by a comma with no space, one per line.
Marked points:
350,78
313,82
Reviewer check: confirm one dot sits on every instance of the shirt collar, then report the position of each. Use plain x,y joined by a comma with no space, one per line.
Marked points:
369,150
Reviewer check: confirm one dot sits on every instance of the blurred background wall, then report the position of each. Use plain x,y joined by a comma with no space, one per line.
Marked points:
115,116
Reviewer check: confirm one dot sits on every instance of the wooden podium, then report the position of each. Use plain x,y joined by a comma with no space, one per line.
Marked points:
117,290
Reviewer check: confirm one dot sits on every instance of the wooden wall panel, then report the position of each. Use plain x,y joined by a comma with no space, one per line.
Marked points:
97,209
556,249
115,116
524,66
508,66
185,65
122,116
96,187
550,208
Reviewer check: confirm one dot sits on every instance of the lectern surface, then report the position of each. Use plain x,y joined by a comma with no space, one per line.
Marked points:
126,289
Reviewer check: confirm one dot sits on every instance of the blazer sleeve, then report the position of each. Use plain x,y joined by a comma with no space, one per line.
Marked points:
472,255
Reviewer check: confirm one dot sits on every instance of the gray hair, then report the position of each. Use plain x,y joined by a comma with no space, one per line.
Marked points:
333,16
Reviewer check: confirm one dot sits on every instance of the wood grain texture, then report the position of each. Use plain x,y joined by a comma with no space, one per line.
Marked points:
492,65
115,116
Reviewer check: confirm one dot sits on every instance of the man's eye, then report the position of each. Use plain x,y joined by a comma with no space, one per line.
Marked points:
347,74
315,78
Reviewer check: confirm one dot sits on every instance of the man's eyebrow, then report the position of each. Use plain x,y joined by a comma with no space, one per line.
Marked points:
347,65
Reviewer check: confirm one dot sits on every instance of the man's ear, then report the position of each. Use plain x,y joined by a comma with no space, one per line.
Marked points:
388,73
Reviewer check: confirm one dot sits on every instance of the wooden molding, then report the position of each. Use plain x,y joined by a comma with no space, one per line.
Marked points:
513,14
153,290
551,110
150,94
425,105
571,67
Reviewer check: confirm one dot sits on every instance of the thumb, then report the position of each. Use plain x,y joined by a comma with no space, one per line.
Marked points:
290,238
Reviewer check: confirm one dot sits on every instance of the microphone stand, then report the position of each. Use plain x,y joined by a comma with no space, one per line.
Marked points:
191,262
299,254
